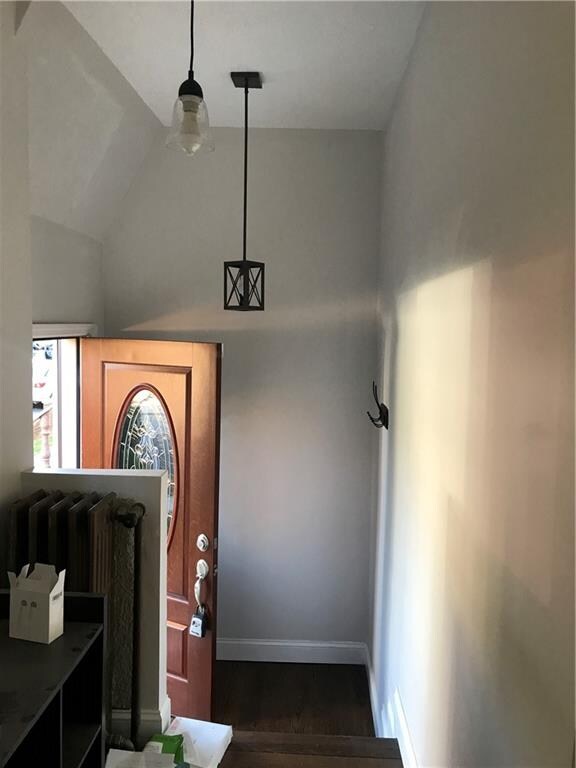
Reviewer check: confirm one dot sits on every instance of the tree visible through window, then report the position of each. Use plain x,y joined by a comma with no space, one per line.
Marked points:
54,403
45,402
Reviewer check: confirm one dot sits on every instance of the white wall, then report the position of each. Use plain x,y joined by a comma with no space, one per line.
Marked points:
296,443
89,132
66,275
473,644
15,292
89,129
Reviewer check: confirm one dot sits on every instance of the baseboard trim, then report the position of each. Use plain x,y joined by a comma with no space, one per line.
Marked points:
377,714
165,713
399,725
296,651
391,722
151,721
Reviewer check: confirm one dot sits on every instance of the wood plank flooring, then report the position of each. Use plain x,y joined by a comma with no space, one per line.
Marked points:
324,699
299,716
278,750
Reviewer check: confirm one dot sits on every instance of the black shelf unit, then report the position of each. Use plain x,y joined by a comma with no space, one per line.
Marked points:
51,696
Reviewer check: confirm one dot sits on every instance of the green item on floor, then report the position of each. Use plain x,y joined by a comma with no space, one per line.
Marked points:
165,744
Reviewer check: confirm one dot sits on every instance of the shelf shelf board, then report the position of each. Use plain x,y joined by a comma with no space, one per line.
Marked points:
77,741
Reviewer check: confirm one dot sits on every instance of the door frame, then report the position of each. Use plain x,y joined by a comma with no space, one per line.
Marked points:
63,330
78,331
196,368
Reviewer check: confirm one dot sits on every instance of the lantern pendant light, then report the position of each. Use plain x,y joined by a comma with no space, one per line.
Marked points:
189,131
244,280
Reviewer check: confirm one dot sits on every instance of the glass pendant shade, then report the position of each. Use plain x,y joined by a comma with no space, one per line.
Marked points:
190,129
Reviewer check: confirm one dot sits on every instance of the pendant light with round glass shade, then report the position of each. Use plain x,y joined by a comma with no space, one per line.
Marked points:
190,129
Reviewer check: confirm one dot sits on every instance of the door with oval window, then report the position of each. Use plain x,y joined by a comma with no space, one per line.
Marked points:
156,405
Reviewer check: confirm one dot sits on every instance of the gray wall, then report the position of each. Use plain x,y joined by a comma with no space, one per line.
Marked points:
89,131
296,444
66,275
473,649
15,301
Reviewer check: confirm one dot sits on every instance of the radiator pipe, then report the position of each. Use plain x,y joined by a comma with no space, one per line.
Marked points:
130,514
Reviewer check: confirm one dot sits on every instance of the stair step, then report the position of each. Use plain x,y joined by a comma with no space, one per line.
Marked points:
287,750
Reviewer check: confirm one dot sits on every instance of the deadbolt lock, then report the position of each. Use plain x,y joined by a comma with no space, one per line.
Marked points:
203,542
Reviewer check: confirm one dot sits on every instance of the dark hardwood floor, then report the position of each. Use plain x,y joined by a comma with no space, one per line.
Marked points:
293,750
319,699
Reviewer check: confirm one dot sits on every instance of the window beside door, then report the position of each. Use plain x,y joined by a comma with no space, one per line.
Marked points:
55,403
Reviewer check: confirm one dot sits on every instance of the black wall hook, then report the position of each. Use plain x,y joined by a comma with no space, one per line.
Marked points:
382,419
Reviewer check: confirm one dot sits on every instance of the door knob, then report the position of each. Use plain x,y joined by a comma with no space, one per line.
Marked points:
202,570
202,542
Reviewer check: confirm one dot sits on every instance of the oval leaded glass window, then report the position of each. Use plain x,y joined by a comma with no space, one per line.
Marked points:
146,441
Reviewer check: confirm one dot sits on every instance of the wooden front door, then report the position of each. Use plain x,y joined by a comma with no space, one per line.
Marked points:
156,405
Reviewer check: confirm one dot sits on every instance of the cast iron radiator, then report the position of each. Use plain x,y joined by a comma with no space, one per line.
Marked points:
97,539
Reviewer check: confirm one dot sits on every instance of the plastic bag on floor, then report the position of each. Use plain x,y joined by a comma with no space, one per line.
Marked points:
204,743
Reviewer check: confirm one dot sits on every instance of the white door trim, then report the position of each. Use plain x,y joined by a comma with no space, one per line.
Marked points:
63,330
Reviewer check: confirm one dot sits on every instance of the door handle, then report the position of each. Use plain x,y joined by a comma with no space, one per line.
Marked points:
202,571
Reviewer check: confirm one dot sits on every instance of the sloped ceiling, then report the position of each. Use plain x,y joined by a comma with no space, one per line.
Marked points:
103,77
89,131
332,65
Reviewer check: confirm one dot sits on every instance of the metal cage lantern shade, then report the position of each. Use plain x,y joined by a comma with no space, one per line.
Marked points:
244,285
244,280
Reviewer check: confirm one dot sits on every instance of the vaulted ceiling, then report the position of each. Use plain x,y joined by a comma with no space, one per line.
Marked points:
332,65
103,77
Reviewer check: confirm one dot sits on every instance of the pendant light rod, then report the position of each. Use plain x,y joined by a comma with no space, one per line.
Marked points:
191,68
245,170
246,80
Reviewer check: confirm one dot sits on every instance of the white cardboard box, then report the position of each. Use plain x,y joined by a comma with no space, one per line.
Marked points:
37,604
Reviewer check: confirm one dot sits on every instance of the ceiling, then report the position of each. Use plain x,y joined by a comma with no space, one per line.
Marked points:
330,65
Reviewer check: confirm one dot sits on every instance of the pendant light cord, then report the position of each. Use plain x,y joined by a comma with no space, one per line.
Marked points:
245,169
191,69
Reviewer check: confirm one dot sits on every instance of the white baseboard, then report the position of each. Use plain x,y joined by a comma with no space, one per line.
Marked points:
391,723
398,725
380,729
165,713
297,651
151,721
